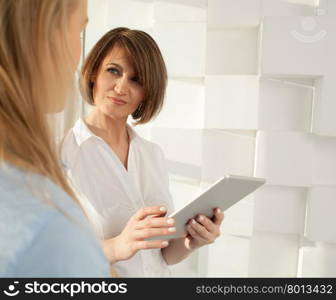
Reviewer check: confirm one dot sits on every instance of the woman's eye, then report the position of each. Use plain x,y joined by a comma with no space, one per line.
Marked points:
113,70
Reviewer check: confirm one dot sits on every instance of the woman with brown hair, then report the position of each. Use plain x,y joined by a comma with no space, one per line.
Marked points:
44,233
120,177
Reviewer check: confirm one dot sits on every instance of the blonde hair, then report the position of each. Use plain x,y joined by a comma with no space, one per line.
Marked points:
147,60
35,75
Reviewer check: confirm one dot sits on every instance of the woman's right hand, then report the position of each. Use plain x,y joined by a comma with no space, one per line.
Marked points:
146,223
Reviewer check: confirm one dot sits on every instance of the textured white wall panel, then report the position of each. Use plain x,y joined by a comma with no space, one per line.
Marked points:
235,13
324,161
325,106
130,13
298,39
229,257
284,106
328,7
284,158
180,11
143,130
232,51
321,215
183,145
317,262
287,8
238,218
280,209
184,105
248,13
183,190
183,47
273,255
226,153
97,26
231,102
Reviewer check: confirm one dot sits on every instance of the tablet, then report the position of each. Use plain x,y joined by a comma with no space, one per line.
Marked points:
224,193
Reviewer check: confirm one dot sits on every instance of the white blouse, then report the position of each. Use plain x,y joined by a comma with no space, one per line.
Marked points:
110,194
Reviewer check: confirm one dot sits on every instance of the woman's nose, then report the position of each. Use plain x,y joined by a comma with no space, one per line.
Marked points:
121,86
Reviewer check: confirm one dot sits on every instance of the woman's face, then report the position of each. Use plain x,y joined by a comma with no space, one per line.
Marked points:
117,92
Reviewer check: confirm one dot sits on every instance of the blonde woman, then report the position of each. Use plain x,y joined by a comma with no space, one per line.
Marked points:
43,232
120,177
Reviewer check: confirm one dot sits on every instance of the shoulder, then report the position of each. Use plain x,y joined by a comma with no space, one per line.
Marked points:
37,237
150,148
153,155
69,148
62,248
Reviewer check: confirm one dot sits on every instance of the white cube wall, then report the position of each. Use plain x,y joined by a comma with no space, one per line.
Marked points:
238,218
288,8
231,102
331,8
183,47
183,145
284,106
324,106
143,131
105,15
249,13
317,262
229,257
284,158
185,170
226,153
236,13
299,39
97,11
324,161
183,190
280,209
321,215
184,105
139,14
232,51
273,255
292,49
180,11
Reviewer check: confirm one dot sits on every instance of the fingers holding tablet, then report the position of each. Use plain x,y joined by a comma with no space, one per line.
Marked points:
204,231
218,216
155,222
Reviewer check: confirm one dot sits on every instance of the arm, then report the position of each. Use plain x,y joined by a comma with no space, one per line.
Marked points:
176,251
202,231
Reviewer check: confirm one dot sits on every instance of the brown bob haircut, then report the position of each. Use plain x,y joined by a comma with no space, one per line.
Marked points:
146,58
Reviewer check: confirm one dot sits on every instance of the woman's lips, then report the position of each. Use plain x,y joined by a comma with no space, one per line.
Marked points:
117,101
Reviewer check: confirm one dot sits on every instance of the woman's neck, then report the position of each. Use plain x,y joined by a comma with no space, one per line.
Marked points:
114,131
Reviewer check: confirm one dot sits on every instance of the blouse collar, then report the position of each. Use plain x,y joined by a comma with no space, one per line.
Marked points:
82,132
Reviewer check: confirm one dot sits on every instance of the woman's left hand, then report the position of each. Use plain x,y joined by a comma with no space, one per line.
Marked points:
203,231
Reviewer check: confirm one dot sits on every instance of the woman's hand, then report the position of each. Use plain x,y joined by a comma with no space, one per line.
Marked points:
203,230
147,222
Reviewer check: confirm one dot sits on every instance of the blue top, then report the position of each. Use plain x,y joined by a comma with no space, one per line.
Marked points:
39,240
